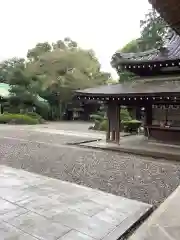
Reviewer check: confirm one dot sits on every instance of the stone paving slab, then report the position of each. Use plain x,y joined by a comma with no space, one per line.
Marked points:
164,223
8,232
37,207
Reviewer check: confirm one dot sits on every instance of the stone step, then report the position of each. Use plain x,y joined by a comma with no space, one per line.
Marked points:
164,223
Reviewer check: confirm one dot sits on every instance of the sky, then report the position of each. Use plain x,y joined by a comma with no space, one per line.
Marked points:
101,25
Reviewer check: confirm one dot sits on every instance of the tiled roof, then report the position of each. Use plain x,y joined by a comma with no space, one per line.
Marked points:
171,51
138,87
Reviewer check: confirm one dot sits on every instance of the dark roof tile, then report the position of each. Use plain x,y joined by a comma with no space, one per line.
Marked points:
137,87
170,51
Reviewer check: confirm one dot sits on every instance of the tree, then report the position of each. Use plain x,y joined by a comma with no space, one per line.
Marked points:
72,67
52,70
23,90
8,66
67,43
40,48
153,32
66,68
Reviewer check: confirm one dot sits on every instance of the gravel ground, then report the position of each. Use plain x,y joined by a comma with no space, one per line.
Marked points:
131,176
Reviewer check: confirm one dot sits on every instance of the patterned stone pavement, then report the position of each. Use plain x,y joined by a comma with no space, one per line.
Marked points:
36,207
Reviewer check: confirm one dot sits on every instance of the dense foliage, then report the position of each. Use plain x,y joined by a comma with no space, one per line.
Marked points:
52,71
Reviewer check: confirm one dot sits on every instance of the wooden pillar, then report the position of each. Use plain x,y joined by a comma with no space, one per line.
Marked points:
113,134
113,115
138,113
118,127
148,117
1,106
108,133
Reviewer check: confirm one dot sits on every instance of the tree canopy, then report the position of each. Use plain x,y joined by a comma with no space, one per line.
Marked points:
65,63
153,31
52,70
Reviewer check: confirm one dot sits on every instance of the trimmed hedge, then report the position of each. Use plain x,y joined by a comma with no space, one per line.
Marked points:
131,126
8,118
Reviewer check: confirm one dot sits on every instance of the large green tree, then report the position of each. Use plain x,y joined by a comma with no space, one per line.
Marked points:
54,71
40,48
67,64
24,90
64,68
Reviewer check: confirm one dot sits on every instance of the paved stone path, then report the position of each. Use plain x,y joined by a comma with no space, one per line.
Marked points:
35,207
138,144
164,223
140,178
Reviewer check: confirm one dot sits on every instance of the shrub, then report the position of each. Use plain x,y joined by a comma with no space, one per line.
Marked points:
103,126
96,124
125,116
96,117
101,113
36,116
17,119
131,126
101,123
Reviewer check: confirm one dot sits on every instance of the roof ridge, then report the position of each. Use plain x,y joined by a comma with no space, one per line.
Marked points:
144,53
169,51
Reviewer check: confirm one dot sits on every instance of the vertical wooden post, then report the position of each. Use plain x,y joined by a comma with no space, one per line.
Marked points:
138,113
118,123
148,117
108,133
113,135
113,115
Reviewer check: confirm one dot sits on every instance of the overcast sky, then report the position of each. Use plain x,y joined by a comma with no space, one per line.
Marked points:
103,25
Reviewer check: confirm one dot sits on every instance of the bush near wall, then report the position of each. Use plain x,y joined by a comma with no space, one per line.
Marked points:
131,126
100,121
8,118
103,126
96,117
127,124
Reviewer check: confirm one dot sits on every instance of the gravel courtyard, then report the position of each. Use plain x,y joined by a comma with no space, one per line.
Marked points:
131,176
